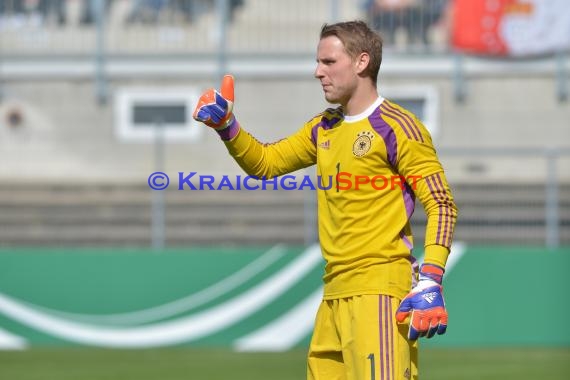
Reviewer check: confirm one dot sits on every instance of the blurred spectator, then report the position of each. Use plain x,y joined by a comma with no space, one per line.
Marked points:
151,10
26,12
146,10
11,7
234,5
89,9
386,16
421,18
415,17
55,7
187,8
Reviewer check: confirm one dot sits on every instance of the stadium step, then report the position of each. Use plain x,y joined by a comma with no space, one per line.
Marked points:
111,215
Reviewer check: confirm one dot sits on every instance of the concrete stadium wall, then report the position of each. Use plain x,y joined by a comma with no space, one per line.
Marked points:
66,135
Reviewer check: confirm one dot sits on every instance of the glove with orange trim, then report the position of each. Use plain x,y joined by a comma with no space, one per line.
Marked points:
426,305
215,108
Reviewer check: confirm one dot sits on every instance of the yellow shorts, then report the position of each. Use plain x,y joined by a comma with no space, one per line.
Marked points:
357,338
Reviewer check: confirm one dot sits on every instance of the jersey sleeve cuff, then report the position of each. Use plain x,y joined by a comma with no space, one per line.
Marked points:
436,254
231,131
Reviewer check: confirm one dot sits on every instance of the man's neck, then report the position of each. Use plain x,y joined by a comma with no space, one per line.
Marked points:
362,98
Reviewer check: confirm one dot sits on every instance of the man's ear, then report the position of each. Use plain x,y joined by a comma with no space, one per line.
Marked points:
361,62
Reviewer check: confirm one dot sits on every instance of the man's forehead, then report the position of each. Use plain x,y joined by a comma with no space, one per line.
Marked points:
331,40
331,45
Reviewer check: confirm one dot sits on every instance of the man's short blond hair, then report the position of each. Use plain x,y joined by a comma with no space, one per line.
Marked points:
358,38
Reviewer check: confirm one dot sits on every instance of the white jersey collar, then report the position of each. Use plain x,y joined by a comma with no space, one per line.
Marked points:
367,112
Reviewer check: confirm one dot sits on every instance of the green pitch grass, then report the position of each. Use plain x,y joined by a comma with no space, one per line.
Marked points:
194,364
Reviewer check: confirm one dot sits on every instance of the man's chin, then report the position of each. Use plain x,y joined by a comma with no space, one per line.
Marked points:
332,100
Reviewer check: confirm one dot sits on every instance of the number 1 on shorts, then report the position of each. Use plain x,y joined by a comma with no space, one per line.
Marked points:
372,366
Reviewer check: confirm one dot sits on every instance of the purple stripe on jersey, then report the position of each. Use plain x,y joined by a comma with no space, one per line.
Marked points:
409,199
387,318
393,113
415,267
325,124
446,209
390,317
443,197
387,112
314,133
435,196
410,122
446,238
407,241
387,134
409,203
380,331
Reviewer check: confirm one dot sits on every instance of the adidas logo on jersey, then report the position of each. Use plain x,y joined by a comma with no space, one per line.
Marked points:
429,297
325,144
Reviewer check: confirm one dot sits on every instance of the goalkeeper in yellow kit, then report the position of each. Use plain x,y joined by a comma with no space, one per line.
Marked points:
375,306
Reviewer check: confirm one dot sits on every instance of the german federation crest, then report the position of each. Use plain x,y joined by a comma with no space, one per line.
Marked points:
362,143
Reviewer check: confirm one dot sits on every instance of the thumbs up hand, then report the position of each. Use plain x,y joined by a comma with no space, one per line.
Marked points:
215,108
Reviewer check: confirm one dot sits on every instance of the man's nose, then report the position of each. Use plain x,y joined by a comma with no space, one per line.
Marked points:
318,71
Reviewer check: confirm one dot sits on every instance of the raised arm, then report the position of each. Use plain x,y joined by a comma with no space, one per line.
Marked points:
297,151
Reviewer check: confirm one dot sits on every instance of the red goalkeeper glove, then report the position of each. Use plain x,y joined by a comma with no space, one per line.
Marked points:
215,108
425,303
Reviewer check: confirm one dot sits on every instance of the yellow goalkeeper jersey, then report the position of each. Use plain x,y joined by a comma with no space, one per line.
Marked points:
371,166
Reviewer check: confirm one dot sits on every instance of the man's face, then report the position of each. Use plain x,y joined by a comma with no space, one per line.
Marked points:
336,71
